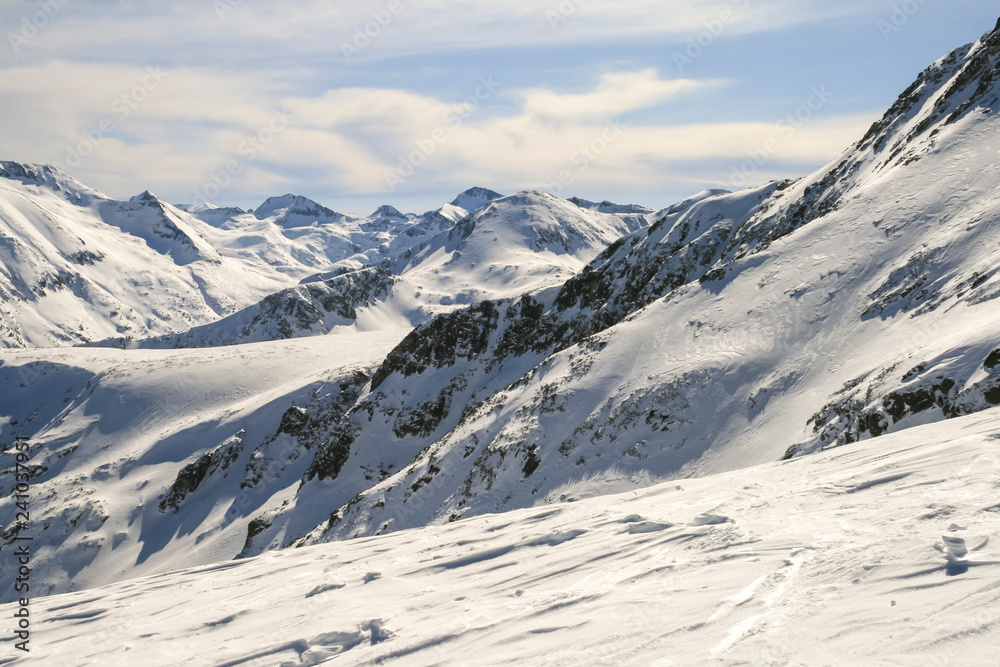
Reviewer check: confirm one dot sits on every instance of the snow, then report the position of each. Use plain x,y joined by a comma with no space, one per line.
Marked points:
850,556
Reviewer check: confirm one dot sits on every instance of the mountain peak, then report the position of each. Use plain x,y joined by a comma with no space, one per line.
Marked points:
52,177
290,204
386,211
475,198
145,196
962,85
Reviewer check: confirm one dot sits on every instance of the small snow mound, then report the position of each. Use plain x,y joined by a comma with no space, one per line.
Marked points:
955,548
710,520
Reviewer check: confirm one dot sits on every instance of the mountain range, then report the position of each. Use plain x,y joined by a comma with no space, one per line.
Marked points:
201,385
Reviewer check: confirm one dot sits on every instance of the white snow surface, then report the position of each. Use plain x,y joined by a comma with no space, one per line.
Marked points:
838,558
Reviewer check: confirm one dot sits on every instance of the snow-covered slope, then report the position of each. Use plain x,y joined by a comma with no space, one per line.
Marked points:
864,555
308,309
149,460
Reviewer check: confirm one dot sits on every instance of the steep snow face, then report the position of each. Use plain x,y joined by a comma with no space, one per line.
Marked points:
146,217
685,204
771,322
49,178
474,199
779,564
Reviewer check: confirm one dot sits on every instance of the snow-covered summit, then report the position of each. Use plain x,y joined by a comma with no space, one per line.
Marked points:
50,177
145,196
387,211
295,210
474,199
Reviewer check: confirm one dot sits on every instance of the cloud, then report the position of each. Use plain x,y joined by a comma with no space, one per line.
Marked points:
617,93
193,132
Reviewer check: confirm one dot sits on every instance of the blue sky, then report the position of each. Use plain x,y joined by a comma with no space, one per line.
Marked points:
641,101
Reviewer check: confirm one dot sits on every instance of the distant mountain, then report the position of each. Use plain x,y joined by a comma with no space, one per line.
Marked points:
610,207
214,215
516,244
386,211
474,199
295,211
78,266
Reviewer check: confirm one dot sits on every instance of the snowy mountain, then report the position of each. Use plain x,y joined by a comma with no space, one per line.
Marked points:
296,211
515,244
474,199
432,265
772,322
527,352
78,266
81,268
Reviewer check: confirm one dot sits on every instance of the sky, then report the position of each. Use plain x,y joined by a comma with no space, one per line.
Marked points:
409,102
